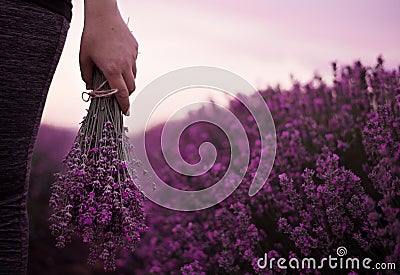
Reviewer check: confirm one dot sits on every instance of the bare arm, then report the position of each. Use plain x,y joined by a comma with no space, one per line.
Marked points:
108,43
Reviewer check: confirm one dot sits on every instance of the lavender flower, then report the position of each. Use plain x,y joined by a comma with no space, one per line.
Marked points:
334,182
96,198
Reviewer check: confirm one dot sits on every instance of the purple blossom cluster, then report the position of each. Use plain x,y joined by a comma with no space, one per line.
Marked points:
95,197
331,206
335,182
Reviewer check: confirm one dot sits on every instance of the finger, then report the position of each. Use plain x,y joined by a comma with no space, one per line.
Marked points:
134,69
116,81
87,65
129,80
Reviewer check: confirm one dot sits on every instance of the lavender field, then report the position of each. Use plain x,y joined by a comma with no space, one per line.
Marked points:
335,183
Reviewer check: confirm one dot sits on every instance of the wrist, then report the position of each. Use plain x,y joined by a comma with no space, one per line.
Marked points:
100,9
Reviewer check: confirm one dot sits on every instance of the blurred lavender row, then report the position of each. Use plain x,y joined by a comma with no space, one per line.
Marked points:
335,182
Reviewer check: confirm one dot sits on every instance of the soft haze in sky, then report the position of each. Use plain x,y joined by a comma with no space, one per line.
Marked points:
263,41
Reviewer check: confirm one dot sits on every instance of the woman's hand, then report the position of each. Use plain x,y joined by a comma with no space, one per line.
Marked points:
108,43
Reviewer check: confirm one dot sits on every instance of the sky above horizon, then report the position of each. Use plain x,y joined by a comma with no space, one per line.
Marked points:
263,41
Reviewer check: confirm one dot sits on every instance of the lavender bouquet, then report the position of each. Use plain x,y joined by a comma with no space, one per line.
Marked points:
97,198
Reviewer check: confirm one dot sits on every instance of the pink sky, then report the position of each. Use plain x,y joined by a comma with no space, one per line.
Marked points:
262,41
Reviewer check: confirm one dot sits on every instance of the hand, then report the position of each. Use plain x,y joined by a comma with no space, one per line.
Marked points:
108,43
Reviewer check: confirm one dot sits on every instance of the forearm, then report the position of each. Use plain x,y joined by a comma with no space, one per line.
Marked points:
108,44
99,9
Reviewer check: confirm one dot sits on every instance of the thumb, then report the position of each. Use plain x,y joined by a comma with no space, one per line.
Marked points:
87,67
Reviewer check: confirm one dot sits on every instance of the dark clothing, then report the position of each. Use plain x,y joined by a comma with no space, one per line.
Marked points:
62,7
31,42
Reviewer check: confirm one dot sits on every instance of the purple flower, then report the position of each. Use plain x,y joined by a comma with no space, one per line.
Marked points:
335,182
95,198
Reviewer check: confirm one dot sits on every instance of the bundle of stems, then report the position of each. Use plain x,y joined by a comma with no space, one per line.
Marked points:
97,197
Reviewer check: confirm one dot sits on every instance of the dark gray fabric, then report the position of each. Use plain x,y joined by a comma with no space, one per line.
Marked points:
63,7
31,42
